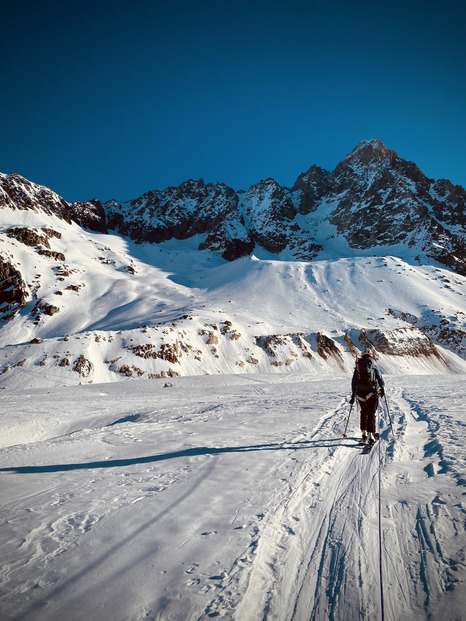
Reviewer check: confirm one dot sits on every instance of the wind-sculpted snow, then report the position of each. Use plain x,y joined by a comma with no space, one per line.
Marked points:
233,497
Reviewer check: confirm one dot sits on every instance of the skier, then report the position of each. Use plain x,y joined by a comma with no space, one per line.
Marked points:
367,385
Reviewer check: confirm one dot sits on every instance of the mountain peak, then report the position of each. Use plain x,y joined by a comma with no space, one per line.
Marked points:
368,152
373,198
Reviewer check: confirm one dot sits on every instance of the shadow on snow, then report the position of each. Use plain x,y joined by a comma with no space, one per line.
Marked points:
192,452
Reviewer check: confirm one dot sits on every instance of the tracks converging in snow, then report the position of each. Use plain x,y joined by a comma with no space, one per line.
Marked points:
233,499
308,533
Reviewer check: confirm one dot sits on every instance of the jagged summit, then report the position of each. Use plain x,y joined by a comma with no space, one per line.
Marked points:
372,156
373,201
163,294
369,152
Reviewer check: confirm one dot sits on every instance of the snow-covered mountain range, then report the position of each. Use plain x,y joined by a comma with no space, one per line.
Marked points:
372,200
202,279
232,492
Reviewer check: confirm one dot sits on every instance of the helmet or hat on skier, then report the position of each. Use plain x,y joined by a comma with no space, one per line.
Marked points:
367,352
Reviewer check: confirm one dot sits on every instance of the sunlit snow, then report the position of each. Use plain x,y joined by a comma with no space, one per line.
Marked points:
228,490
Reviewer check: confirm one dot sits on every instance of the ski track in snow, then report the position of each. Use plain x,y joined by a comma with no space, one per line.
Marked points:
234,498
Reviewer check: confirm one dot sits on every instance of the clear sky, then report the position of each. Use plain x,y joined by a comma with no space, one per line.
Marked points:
112,99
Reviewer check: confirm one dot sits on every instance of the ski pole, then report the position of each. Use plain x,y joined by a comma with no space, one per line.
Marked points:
388,412
347,420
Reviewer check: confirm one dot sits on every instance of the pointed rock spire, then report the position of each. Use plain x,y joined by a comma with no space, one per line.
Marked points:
368,152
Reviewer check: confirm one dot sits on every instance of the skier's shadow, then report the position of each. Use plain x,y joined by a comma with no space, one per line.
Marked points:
192,452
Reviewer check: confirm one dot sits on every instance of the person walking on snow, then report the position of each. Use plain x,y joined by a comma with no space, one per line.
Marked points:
367,385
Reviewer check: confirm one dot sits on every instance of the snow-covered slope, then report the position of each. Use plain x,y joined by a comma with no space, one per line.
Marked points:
79,302
95,308
219,484
231,497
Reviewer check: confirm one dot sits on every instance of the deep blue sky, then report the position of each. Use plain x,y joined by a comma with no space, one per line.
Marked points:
111,99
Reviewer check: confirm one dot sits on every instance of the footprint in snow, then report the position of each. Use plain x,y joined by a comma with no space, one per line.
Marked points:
221,576
192,569
193,582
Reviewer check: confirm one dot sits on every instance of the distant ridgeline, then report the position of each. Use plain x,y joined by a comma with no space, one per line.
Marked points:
373,201
79,305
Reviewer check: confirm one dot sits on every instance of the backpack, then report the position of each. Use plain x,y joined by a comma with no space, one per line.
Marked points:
367,378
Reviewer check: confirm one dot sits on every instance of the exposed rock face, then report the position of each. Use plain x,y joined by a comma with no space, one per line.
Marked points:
90,215
269,211
16,192
58,256
30,236
404,342
448,332
312,186
378,199
13,290
231,239
410,341
83,366
326,347
171,352
193,208
373,199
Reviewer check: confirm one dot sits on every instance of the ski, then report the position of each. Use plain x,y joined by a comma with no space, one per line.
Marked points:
370,445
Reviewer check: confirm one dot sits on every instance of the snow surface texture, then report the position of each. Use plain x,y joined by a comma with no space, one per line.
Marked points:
199,470
233,497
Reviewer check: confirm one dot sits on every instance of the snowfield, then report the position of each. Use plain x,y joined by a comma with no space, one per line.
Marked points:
110,310
231,496
171,432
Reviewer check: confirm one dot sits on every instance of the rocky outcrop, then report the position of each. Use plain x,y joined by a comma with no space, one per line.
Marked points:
448,332
378,199
39,240
193,208
13,290
404,342
16,192
268,211
326,347
90,215
171,352
372,200
31,236
83,366
311,186
230,238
